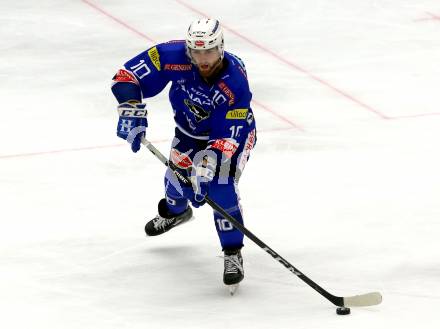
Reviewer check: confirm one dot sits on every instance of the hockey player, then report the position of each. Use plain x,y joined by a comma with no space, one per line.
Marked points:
214,134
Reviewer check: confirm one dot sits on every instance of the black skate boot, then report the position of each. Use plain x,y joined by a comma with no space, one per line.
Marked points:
164,222
234,272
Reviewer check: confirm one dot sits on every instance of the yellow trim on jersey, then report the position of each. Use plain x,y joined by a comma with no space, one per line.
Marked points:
237,114
155,58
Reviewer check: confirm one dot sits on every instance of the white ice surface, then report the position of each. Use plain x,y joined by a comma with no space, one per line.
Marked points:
352,199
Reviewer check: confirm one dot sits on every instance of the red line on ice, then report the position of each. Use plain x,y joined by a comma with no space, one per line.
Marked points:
102,11
410,116
309,74
264,107
20,155
76,149
433,16
292,65
88,148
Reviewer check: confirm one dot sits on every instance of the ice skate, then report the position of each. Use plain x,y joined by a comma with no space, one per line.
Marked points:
233,288
164,221
233,272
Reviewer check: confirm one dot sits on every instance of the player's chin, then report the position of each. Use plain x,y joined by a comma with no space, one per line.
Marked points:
205,70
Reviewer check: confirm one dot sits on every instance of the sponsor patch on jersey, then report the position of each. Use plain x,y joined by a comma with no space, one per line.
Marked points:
155,57
248,146
124,76
181,160
199,112
227,146
237,114
177,67
228,92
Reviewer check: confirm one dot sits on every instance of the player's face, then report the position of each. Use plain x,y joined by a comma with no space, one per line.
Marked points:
206,60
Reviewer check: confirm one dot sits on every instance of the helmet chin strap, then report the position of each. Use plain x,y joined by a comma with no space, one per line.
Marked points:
217,64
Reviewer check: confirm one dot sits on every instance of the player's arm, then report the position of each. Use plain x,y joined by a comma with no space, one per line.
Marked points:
141,77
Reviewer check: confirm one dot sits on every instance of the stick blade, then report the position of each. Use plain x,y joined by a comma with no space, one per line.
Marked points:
370,299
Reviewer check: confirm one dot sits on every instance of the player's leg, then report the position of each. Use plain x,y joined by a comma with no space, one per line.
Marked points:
173,210
231,239
224,190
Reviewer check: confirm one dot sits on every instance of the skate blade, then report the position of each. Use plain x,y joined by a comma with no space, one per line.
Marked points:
233,289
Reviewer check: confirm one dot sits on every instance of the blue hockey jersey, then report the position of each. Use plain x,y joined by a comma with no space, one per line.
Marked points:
218,112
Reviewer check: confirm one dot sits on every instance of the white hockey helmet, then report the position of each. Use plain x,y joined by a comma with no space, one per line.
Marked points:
205,33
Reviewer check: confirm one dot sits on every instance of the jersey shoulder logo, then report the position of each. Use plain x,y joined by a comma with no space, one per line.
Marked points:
199,112
124,76
153,53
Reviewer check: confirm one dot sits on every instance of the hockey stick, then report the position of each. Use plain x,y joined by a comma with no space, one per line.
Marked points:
368,299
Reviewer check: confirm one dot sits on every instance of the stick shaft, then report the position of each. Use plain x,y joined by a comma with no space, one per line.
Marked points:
365,300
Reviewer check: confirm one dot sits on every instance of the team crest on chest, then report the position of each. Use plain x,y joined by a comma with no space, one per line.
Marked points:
199,112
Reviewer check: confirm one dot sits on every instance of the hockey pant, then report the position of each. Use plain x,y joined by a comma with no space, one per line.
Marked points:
223,188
